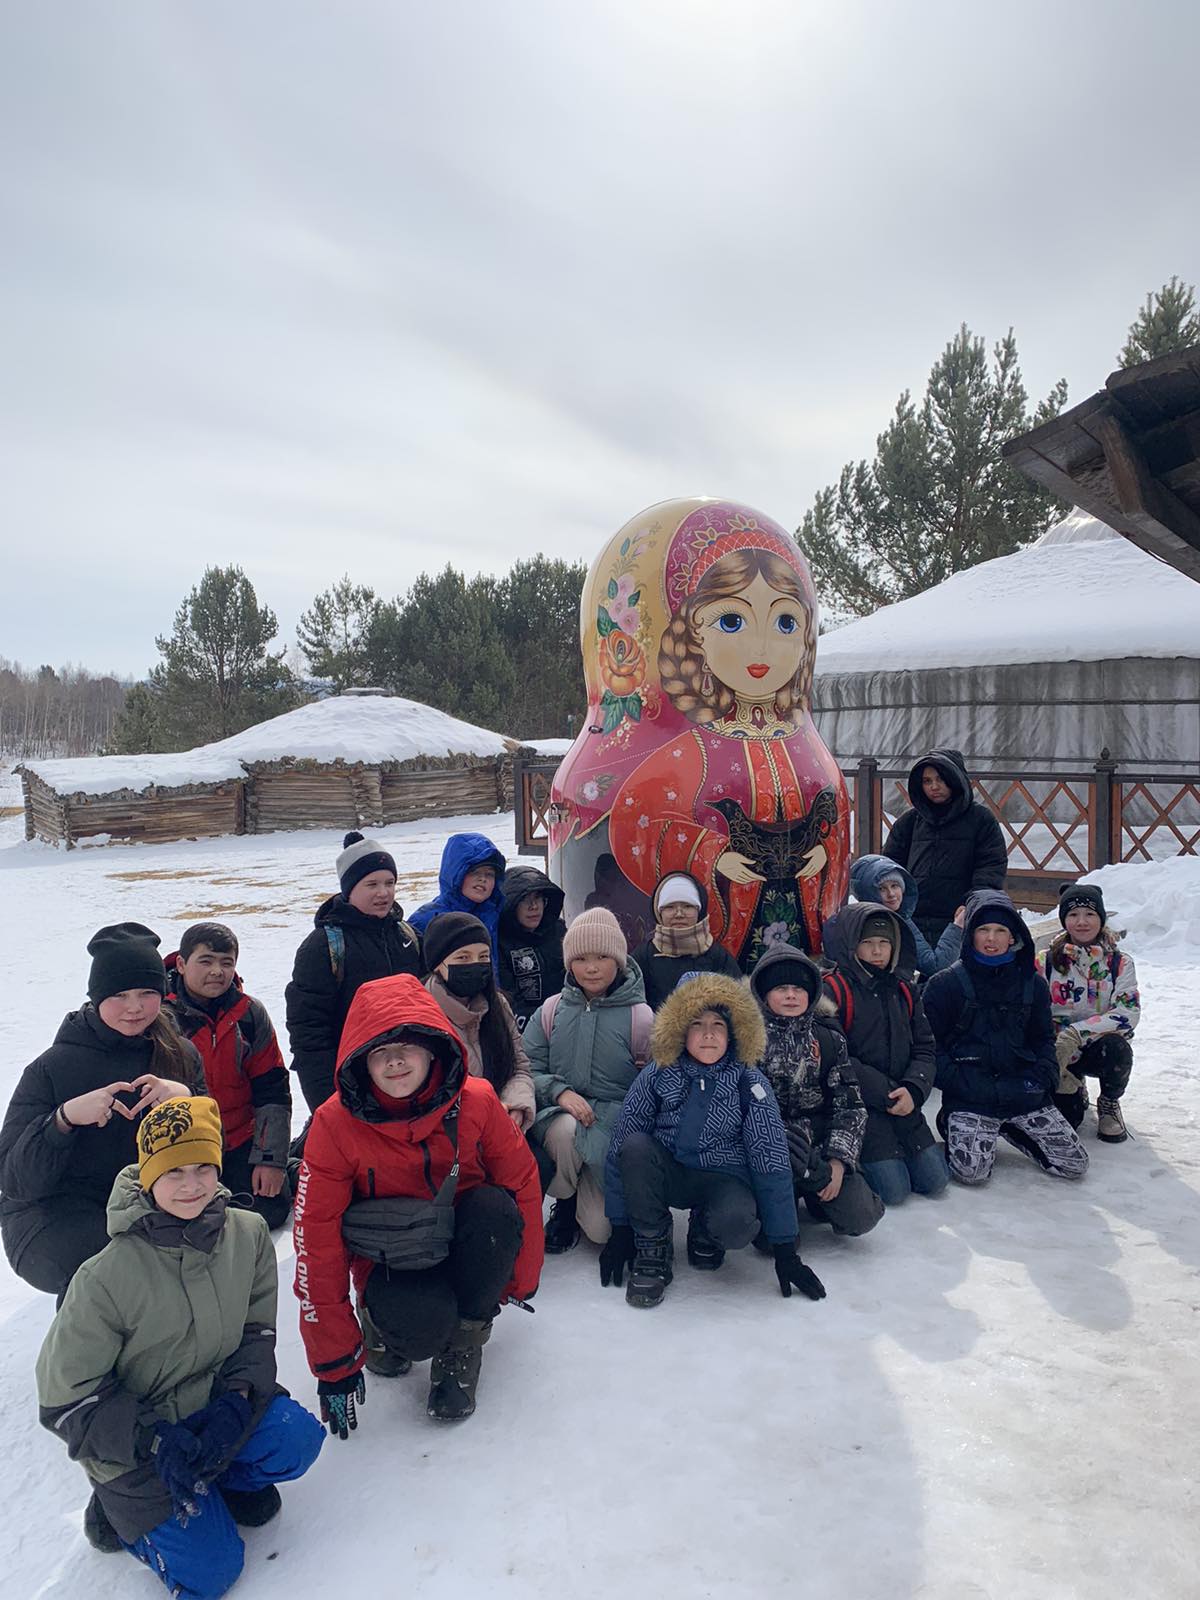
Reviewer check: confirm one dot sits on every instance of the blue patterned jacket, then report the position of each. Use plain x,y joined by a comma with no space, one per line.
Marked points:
722,1118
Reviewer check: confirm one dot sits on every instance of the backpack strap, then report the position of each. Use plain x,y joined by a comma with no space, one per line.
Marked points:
449,1184
641,1021
336,939
1114,967
843,998
549,1011
908,997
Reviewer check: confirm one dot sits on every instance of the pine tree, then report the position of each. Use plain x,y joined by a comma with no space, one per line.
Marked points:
441,644
1167,322
333,633
217,675
538,605
137,729
937,496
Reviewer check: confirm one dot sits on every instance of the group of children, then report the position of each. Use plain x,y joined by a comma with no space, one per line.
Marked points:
459,1066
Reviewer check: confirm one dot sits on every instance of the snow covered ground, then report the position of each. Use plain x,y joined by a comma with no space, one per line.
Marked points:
996,1402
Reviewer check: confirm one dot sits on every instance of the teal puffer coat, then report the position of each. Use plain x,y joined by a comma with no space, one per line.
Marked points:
591,1051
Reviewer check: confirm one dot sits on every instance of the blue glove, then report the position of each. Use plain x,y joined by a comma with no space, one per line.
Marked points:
340,1398
176,1452
219,1427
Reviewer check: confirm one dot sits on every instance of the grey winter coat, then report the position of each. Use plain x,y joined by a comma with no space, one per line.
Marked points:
590,1050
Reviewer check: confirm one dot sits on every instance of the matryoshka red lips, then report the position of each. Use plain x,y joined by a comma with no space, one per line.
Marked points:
757,669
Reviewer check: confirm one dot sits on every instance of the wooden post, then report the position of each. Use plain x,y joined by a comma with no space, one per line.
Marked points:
1104,844
867,822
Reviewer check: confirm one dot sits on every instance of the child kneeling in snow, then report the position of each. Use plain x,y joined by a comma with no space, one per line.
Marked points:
700,1129
416,1189
807,1066
996,1066
891,1048
1095,1005
159,1370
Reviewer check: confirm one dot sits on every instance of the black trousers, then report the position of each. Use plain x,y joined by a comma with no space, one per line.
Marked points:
1109,1058
655,1182
416,1312
236,1171
47,1243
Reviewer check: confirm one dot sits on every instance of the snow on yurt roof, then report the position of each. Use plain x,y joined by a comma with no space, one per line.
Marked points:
370,729
1080,593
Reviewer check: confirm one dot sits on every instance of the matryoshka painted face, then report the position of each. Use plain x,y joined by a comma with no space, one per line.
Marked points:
753,641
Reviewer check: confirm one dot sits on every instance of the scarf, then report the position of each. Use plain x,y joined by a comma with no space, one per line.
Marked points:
693,941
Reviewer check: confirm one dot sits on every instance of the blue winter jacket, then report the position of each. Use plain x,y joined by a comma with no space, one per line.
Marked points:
722,1118
995,1047
867,873
462,852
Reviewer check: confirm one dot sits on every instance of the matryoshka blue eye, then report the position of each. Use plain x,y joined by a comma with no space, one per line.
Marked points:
787,623
731,622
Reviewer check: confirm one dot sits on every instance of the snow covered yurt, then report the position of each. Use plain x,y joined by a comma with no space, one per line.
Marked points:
349,761
1036,661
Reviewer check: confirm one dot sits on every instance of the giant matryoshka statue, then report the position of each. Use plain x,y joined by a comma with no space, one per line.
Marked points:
698,627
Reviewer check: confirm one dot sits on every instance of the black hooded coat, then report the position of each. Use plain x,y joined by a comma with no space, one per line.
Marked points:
889,1038
994,1033
530,964
949,849
661,974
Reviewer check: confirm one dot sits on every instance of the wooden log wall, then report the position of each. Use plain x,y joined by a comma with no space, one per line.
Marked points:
302,798
202,811
443,793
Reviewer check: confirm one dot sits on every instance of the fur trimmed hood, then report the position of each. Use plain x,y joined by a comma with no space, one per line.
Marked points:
708,991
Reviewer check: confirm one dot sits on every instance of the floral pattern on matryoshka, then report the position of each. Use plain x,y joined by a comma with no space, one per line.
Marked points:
736,786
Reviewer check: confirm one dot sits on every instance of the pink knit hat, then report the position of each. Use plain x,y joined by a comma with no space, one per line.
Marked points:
596,933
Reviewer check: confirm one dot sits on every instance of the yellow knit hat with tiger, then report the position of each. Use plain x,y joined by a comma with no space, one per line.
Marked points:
178,1133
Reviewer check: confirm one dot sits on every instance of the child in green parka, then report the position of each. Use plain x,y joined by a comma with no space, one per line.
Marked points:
159,1369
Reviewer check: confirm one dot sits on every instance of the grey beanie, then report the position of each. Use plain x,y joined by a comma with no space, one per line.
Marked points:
360,858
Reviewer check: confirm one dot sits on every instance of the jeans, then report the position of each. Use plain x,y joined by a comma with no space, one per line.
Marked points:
893,1181
204,1559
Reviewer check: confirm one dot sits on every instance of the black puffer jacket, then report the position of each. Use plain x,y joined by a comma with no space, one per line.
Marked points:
318,998
949,849
995,1046
37,1162
891,1046
530,964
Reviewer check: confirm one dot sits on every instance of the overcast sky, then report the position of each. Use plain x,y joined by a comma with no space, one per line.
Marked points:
368,287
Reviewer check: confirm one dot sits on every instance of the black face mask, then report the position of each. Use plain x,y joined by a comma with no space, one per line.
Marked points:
466,979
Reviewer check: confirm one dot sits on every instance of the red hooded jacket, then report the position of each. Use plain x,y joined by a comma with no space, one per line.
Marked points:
354,1149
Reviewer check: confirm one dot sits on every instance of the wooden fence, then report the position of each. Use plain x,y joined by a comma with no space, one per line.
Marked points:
1058,826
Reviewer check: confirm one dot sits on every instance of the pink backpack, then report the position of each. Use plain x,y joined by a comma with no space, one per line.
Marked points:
641,1020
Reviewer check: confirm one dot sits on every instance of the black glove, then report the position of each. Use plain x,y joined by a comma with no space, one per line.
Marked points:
340,1398
219,1427
799,1152
616,1255
176,1452
790,1270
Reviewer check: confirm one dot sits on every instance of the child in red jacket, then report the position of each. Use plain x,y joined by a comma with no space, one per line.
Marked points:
416,1189
243,1066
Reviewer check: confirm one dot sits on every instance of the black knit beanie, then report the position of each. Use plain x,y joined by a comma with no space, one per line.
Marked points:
879,925
1073,895
448,933
124,956
360,858
801,972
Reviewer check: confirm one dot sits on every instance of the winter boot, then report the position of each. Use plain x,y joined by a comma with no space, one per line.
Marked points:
703,1251
454,1375
1111,1127
651,1271
562,1230
251,1508
99,1531
384,1363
